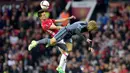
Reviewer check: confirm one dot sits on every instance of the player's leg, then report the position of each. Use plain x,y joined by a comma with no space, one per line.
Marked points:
64,66
61,66
42,41
69,49
61,34
62,48
69,45
58,37
63,59
65,50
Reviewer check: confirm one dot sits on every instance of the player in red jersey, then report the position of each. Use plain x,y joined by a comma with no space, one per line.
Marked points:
49,26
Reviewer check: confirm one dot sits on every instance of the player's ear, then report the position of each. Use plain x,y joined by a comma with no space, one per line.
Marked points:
39,15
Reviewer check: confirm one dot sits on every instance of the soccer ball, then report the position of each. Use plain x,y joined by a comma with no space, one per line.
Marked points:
44,4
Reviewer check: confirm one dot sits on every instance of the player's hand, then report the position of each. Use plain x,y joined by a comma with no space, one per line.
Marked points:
59,27
91,49
89,41
72,17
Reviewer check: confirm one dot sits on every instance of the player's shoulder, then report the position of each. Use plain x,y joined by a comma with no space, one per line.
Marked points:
50,20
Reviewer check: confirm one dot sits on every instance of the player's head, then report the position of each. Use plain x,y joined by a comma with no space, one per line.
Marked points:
92,26
42,14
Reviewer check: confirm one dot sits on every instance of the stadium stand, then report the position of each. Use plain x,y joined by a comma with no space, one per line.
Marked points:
19,25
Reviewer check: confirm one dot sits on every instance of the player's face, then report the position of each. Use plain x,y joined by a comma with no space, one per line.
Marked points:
43,16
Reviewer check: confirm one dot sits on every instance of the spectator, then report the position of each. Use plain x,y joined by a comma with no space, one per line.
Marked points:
19,25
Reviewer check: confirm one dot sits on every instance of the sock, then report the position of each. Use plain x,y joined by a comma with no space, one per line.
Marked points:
43,41
64,66
63,59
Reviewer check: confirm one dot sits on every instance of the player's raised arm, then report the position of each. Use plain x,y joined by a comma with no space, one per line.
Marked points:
64,19
55,27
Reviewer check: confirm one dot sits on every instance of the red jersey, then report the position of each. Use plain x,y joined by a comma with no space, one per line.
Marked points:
46,27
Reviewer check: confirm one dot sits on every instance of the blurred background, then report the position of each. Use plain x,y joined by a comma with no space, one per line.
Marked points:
19,25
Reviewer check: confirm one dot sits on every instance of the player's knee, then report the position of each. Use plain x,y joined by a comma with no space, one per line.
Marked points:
69,51
69,46
52,41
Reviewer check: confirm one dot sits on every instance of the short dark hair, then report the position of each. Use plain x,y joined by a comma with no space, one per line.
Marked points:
41,11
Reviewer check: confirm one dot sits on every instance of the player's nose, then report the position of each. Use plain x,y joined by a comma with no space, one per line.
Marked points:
43,13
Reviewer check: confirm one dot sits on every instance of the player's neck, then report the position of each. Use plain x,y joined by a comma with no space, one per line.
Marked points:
43,19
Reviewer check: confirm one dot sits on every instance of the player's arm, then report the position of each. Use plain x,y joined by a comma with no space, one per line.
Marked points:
88,41
55,27
64,19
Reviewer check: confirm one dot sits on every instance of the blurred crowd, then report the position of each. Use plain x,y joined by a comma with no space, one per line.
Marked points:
19,25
